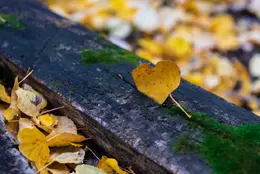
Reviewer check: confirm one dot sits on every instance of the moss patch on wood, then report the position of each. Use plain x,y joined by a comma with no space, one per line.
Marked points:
227,149
109,56
10,21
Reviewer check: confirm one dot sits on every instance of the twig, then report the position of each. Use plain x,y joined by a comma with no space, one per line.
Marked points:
54,109
173,100
26,77
92,153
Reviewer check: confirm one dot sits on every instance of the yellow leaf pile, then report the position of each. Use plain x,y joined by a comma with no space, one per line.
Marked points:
48,141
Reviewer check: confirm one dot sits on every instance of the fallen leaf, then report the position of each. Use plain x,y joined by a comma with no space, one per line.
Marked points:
30,102
56,168
87,169
64,139
47,119
157,83
25,123
42,103
47,122
64,125
110,165
3,95
34,147
13,111
67,154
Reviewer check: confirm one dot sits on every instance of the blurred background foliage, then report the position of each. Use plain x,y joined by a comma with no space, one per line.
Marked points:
214,42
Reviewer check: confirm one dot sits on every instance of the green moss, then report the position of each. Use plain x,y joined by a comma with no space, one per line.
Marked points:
109,56
227,149
11,21
56,84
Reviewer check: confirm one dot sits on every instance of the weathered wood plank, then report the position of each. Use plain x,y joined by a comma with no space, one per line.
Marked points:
122,121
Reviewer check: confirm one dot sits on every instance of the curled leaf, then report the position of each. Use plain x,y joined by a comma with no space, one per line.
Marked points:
3,95
110,165
13,111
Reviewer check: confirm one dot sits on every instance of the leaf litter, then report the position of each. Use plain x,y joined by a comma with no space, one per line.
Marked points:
51,143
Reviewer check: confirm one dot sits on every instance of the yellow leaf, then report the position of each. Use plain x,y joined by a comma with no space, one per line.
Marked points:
87,169
64,139
47,119
244,78
64,125
34,147
65,133
57,168
110,165
151,46
67,154
29,101
42,103
157,83
13,110
179,47
3,95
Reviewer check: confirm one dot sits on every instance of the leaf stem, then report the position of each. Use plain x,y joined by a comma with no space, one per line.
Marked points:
174,101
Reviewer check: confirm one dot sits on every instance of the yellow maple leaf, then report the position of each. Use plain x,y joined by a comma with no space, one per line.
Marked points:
33,146
157,83
3,95
13,110
88,169
110,165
